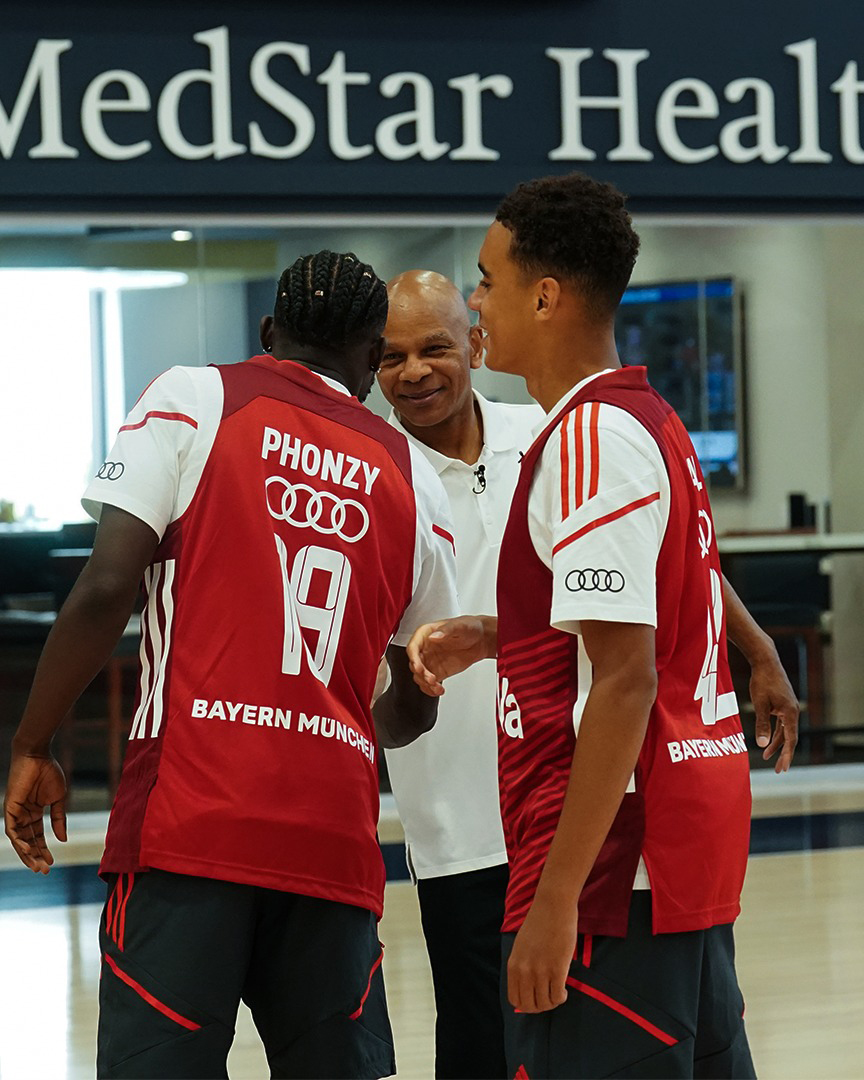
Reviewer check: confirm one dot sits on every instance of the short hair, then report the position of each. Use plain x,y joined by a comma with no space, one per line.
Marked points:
577,228
330,301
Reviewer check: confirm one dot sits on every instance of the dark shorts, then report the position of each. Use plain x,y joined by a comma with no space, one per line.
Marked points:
179,953
664,1005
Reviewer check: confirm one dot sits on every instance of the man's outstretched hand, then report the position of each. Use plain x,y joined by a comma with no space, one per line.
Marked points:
34,783
440,649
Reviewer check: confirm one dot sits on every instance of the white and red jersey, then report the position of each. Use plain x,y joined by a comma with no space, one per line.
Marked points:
611,521
299,536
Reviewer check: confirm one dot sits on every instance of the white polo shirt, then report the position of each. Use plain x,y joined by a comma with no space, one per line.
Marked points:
446,783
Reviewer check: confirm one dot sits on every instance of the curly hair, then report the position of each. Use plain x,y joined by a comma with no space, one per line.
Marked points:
576,228
330,301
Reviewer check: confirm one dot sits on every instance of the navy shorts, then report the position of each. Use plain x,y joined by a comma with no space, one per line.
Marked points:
179,953
648,1005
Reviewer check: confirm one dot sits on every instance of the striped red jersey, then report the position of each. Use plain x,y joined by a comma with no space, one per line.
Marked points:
295,541
630,540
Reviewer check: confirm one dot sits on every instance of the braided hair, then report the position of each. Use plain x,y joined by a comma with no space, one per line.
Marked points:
330,301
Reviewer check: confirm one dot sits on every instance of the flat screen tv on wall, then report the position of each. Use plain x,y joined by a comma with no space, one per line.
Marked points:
689,334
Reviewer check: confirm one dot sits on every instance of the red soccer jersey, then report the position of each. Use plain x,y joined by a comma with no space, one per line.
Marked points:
689,814
271,598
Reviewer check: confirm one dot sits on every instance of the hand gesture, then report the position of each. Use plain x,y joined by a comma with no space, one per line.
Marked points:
772,695
34,783
440,649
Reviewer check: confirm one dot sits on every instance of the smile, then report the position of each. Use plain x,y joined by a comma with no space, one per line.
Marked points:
422,396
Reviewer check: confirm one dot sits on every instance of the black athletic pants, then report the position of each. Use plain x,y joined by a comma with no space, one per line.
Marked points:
462,916
180,952
649,1006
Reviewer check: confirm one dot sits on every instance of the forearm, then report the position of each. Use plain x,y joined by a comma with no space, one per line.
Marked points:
402,713
81,641
743,630
607,749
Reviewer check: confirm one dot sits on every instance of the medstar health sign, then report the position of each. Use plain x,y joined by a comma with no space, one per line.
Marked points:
449,109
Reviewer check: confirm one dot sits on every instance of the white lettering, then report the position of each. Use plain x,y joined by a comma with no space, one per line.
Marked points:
290,449
94,105
292,108
471,87
762,122
509,713
217,77
265,716
353,468
283,718
233,709
328,727
808,104
669,110
688,749
336,79
44,71
331,468
371,476
249,714
573,102
310,459
217,711
675,751
199,707
421,117
850,87
308,723
272,440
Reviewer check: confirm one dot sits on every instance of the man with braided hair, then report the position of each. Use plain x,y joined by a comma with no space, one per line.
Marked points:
287,537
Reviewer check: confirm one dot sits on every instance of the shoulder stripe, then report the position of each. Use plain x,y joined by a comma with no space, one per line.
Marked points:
605,520
594,481
157,415
565,466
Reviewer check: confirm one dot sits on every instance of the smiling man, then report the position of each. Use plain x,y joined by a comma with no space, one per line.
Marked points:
623,770
446,784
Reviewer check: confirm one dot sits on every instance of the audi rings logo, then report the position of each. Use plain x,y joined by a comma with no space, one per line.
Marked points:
111,470
306,508
594,581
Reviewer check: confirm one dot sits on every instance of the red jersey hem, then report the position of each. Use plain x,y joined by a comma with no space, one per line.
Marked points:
293,883
682,922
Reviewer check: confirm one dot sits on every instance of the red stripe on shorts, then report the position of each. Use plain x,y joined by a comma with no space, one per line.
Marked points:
166,1010
604,999
375,967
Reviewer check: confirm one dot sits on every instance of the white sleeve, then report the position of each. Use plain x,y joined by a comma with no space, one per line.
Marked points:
434,595
157,459
604,490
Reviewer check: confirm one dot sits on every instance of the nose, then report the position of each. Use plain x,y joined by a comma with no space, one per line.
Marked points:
474,299
414,369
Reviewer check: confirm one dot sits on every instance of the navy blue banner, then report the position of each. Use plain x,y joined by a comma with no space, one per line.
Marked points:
374,106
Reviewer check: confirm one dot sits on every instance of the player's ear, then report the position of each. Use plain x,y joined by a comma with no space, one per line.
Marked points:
475,341
547,297
376,354
265,332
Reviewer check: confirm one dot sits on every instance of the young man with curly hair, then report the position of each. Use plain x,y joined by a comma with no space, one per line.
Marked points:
623,771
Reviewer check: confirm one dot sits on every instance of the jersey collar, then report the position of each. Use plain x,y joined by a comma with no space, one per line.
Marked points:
266,360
